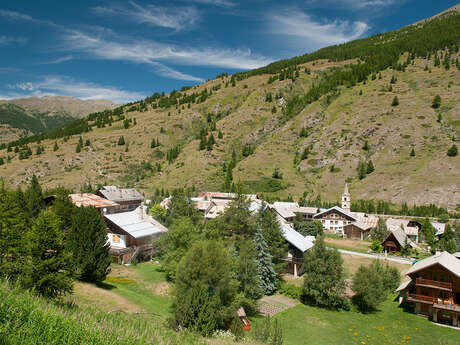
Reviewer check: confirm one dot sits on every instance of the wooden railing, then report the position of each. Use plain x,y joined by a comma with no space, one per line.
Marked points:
434,283
420,298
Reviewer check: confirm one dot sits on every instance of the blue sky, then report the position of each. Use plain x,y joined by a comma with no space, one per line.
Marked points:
126,50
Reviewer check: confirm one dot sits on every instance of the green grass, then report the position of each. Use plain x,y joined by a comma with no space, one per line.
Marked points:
141,290
26,319
390,325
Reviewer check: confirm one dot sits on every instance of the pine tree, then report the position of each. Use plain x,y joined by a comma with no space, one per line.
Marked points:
121,141
366,146
87,142
247,271
220,135
2,161
34,198
78,148
13,228
211,142
370,167
412,153
55,147
267,274
393,80
436,102
39,150
453,151
447,242
80,141
87,241
362,170
49,267
395,102
203,143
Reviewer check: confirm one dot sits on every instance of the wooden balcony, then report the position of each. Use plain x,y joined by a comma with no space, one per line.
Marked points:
446,286
446,306
412,297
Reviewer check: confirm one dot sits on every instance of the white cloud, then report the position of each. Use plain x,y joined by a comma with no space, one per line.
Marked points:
5,40
314,33
154,53
15,15
65,86
221,3
58,60
177,18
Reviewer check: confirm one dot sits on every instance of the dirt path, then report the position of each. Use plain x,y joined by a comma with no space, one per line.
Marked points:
271,305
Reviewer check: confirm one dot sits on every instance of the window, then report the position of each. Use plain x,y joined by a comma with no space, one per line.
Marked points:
115,239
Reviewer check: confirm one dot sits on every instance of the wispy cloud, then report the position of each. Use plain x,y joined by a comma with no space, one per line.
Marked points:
313,33
156,53
221,3
13,15
5,40
65,86
58,60
8,70
177,18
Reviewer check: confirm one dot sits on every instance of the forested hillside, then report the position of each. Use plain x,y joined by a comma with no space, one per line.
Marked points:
380,113
40,114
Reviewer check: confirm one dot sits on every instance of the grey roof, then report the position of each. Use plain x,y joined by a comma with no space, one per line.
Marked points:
401,237
296,239
360,225
440,227
446,260
335,208
404,285
134,224
117,194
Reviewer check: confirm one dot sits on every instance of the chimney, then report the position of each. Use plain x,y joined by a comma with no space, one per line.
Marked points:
141,211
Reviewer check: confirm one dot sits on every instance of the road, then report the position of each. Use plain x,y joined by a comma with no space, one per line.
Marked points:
377,256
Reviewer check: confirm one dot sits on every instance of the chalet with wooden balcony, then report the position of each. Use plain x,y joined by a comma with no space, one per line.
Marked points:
434,288
130,235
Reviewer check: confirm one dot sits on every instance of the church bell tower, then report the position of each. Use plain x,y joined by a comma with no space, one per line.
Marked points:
346,201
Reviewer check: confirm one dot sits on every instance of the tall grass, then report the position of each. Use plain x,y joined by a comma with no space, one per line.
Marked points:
31,320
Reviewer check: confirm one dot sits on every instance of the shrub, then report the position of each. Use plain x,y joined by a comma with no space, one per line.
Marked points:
290,290
453,151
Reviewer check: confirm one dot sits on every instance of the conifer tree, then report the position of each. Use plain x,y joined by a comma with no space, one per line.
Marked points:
453,151
48,270
1,161
247,271
370,167
87,241
55,147
412,153
80,141
395,102
366,146
324,278
34,198
220,135
78,148
266,269
13,227
87,142
436,102
447,242
121,141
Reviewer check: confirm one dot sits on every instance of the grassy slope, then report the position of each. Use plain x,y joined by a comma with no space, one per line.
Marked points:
391,131
391,325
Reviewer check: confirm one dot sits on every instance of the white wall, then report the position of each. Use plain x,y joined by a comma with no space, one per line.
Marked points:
117,240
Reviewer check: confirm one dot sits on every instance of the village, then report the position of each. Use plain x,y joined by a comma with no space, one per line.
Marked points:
432,284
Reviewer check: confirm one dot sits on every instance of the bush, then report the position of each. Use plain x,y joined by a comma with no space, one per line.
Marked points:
290,290
372,284
376,247
453,151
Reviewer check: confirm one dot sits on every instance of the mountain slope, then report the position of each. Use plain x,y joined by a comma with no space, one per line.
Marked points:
307,118
32,115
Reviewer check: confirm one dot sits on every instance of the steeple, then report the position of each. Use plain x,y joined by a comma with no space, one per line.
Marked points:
346,200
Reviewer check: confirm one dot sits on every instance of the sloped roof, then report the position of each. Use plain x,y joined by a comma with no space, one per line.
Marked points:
117,194
135,225
89,199
360,225
296,239
337,209
440,227
446,260
401,237
306,210
404,285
